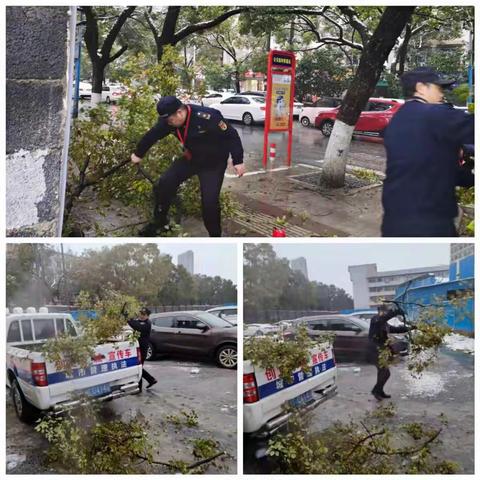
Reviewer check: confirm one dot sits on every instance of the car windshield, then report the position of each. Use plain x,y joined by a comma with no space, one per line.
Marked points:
258,99
213,320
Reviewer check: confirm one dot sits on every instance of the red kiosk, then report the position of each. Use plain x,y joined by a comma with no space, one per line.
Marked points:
280,97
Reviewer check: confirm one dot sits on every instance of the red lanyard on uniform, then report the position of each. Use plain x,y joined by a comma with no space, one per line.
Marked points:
183,138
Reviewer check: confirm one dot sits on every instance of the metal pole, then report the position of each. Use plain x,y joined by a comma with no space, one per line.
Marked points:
470,69
68,116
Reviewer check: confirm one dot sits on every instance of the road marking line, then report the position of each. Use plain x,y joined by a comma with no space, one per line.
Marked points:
257,172
307,165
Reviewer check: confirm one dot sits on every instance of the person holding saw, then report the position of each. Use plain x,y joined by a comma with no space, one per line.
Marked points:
208,141
378,341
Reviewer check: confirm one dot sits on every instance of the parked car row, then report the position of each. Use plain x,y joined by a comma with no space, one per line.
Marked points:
248,107
372,121
110,93
350,332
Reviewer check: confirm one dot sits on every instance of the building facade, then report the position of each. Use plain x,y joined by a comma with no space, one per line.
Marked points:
300,265
371,287
186,260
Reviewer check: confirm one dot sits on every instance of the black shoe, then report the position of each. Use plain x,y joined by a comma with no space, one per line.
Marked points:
377,395
385,395
149,230
153,229
151,384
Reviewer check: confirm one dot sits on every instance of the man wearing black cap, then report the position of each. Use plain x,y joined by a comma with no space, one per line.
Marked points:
208,140
143,325
378,337
423,143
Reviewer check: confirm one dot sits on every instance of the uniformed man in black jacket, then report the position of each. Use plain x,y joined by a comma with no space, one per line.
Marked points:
378,336
423,143
143,325
208,140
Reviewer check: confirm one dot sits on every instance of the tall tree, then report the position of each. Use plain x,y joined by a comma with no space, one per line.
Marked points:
101,55
168,28
372,60
238,48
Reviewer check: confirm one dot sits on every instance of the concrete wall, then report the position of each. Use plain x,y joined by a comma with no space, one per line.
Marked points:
37,55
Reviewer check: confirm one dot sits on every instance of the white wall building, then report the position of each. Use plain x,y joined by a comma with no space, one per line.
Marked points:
370,286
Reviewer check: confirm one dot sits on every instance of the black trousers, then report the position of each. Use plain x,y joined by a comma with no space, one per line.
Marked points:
383,373
211,179
145,374
398,226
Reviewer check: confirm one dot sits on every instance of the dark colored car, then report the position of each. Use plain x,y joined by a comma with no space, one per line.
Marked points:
351,334
372,122
193,333
253,92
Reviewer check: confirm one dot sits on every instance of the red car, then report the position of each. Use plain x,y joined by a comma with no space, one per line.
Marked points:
372,121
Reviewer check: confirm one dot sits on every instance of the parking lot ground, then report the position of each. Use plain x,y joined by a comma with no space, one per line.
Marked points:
447,387
182,386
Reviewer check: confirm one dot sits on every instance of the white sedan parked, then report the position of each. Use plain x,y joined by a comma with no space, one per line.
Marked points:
215,97
308,115
257,329
247,108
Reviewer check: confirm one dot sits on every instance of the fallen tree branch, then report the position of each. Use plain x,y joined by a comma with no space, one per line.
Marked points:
189,467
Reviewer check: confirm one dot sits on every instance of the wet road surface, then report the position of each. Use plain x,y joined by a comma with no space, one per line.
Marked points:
182,386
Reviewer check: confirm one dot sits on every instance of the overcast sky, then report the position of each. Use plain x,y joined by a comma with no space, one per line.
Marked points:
329,263
209,259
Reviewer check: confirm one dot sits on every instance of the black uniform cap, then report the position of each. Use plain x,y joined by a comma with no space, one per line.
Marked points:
168,105
425,75
145,311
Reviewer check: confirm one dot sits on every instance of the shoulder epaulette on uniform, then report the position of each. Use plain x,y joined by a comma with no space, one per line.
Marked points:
204,115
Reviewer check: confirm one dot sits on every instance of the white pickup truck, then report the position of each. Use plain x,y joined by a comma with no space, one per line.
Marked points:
265,394
37,386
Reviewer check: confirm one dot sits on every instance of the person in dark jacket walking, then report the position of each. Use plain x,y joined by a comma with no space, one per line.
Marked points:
143,325
423,142
208,140
378,336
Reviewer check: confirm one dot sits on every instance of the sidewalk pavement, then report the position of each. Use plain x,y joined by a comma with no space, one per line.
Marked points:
271,194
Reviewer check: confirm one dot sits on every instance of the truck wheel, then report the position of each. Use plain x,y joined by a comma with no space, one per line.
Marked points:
25,411
227,356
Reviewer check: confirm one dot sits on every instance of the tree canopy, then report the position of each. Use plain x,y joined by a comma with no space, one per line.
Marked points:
39,274
270,283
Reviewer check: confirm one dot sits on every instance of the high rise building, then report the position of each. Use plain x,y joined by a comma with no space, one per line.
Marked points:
186,260
300,265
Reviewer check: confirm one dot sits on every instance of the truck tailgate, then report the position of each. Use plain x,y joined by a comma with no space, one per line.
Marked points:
274,393
113,366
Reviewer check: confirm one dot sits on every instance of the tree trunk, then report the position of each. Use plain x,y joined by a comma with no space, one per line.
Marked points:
102,59
402,51
237,79
373,57
98,69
